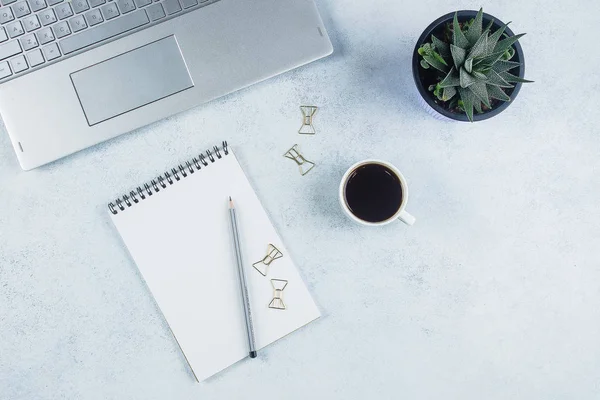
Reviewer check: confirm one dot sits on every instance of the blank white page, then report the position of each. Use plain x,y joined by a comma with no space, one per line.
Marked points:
181,242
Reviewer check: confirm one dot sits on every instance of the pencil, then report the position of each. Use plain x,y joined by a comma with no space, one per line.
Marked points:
242,279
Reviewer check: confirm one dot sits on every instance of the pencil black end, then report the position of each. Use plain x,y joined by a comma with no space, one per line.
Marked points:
253,354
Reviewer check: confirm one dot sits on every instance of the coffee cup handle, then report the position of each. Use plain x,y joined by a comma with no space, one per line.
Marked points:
406,218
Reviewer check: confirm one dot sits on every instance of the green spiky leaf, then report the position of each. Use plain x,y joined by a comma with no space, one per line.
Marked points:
436,62
494,37
468,99
424,64
489,25
466,79
489,60
458,37
449,92
507,76
442,47
477,106
503,66
496,93
494,79
438,57
425,49
479,89
452,79
469,65
479,75
458,55
437,91
475,30
480,47
505,44
508,54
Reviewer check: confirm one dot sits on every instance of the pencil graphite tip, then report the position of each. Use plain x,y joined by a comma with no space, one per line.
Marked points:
230,202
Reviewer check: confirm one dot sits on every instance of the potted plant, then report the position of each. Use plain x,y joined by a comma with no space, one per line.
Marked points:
465,71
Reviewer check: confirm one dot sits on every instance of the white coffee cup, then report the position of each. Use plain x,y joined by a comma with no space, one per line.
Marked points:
401,214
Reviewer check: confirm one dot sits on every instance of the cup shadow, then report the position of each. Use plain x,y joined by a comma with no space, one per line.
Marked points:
326,200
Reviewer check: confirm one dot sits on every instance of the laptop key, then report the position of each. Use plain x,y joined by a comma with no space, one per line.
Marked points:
7,2
77,23
15,29
142,3
19,64
37,5
63,11
189,3
156,12
47,17
125,6
80,6
96,3
3,35
45,36
104,31
93,17
54,2
35,58
9,49
51,51
29,42
172,6
61,29
4,70
6,15
110,11
31,23
21,9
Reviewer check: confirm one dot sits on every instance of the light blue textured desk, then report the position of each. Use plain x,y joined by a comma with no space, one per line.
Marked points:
493,294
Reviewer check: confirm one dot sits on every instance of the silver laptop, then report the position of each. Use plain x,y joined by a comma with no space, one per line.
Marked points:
76,73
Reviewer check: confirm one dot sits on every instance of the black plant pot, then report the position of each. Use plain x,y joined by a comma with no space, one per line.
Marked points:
429,101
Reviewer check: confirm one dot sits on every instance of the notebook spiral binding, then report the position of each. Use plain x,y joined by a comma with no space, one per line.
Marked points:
167,179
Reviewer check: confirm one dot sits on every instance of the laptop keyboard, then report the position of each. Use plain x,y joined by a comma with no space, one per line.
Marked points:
36,33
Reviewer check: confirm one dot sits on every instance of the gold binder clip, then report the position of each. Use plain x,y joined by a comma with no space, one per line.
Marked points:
308,112
304,165
278,286
273,254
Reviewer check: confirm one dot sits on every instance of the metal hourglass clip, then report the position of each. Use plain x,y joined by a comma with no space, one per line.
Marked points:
278,286
273,254
308,112
304,165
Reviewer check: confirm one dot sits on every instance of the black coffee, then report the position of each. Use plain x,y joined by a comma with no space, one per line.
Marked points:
373,193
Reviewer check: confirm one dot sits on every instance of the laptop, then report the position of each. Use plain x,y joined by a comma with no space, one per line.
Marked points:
76,73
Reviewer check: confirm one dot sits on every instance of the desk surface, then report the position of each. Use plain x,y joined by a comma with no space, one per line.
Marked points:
492,294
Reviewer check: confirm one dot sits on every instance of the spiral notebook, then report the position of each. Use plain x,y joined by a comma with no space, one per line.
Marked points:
176,229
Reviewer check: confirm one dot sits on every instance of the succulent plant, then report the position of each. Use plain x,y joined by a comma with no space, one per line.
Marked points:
474,64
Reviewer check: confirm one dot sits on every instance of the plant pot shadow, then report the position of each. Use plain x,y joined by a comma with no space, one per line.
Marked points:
387,70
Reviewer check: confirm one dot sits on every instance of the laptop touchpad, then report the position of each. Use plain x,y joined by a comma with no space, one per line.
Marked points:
131,80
